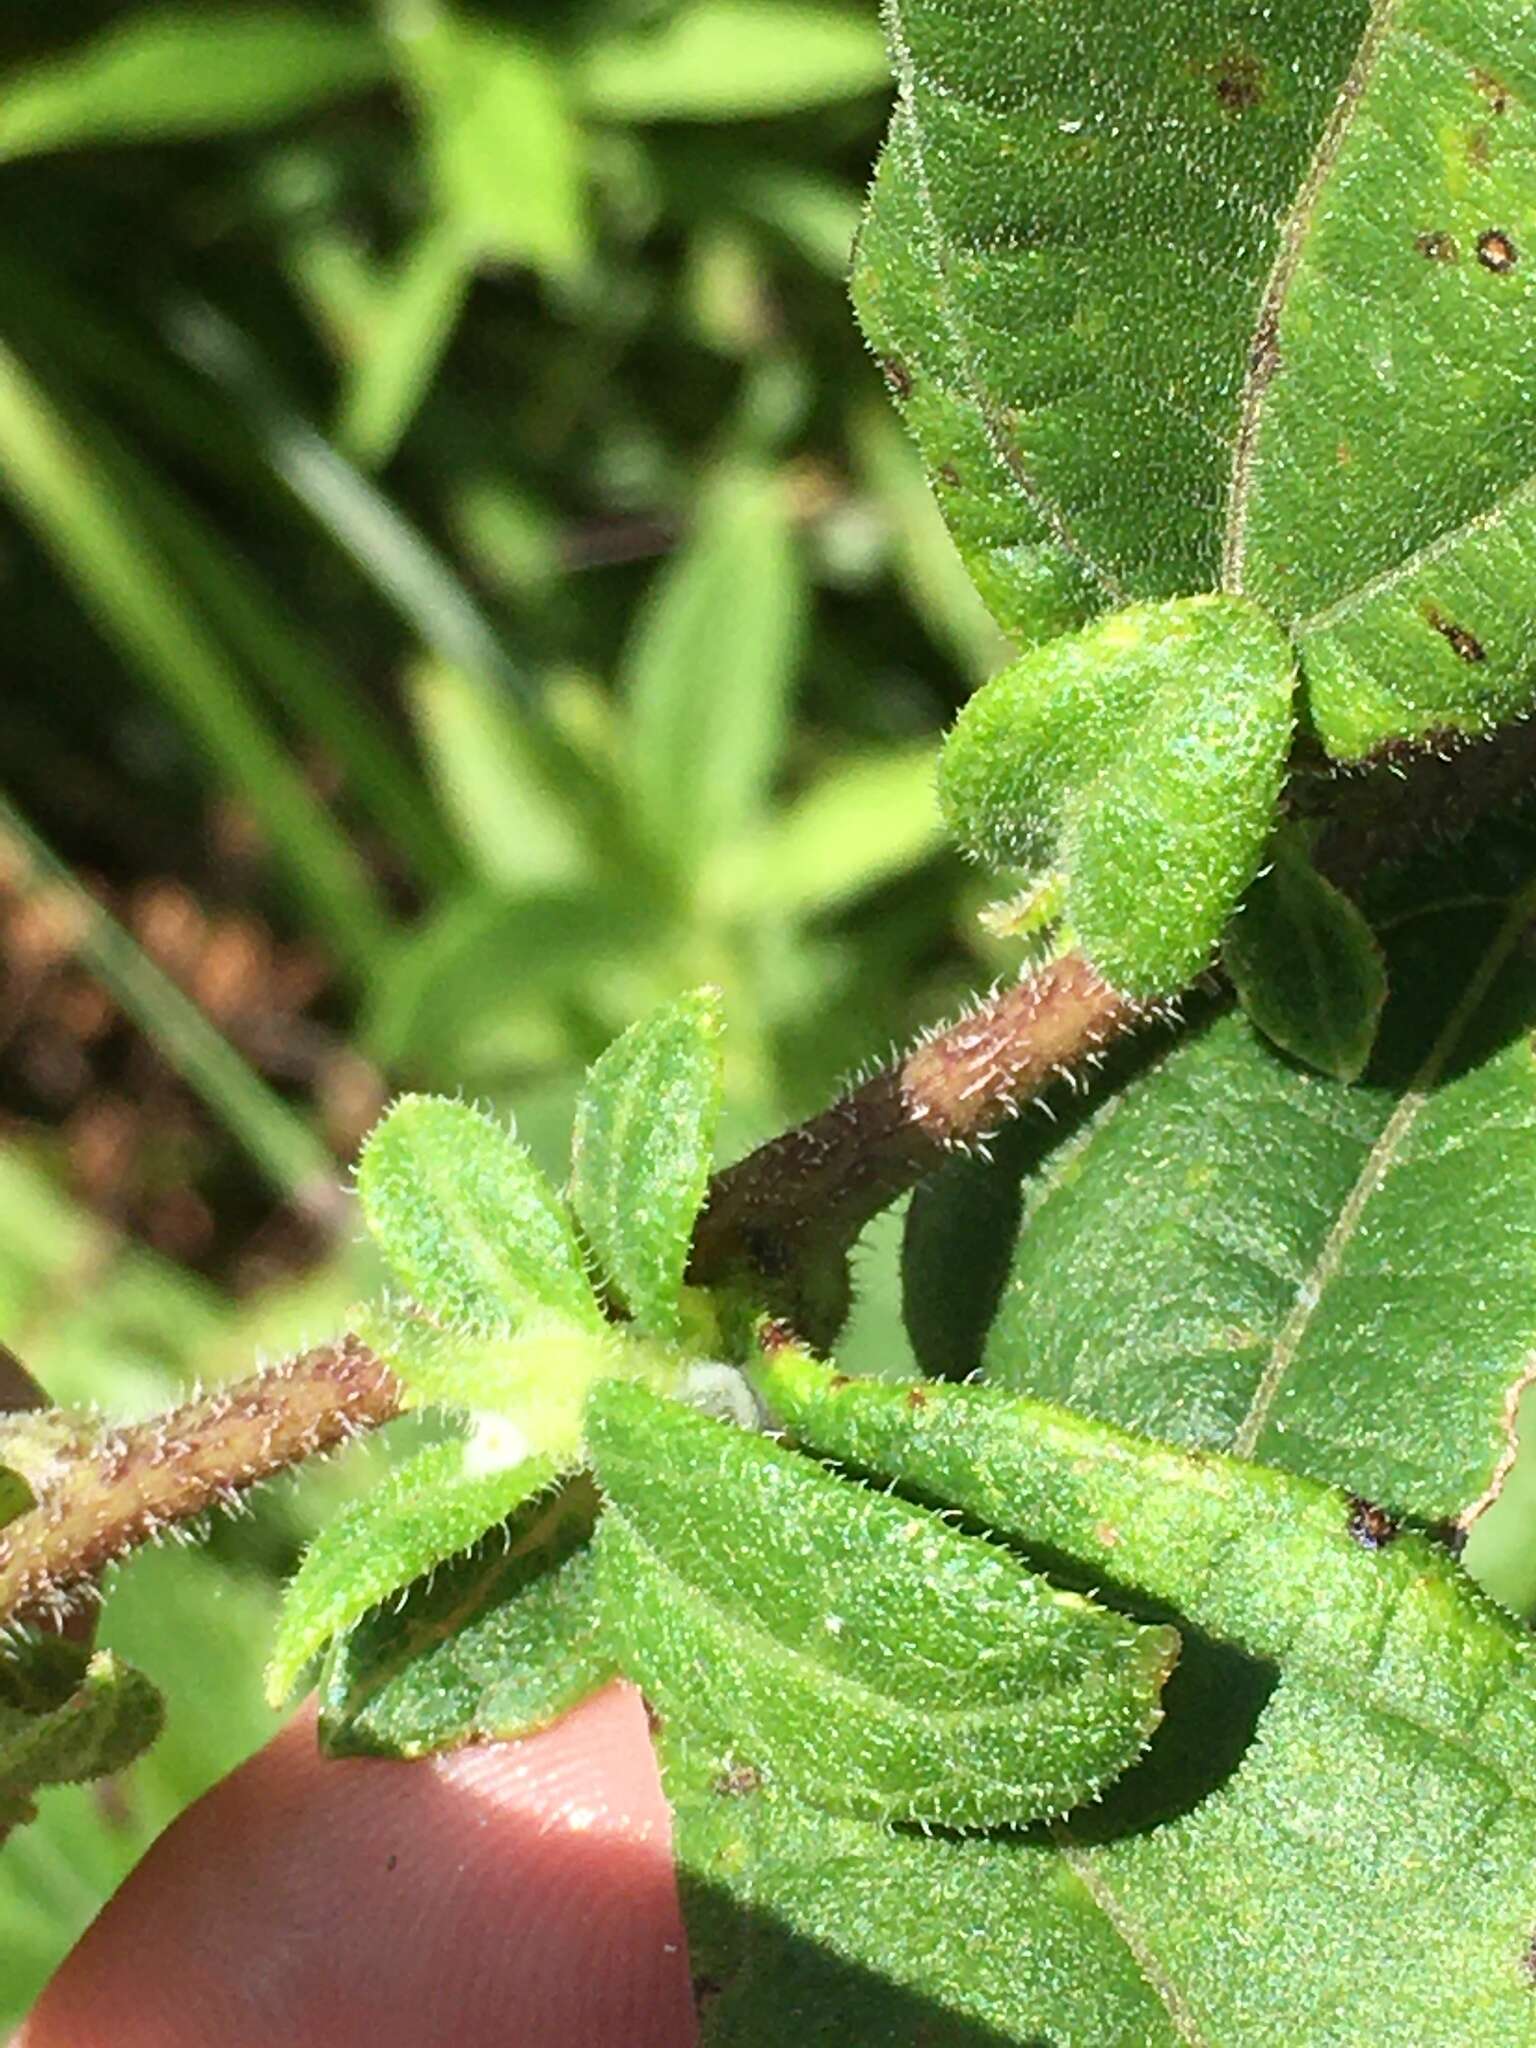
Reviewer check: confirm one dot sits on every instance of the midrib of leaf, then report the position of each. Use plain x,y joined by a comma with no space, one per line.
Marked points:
1378,1164
1136,1942
1400,572
1263,357
1050,511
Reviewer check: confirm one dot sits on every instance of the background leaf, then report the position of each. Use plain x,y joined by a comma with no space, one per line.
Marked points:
67,1713
851,1649
714,60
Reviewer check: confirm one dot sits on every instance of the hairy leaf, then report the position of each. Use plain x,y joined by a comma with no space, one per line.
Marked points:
1142,757
641,1152
1305,964
1339,1280
467,1221
1069,237
1385,505
434,1506
486,1646
67,1714
1199,296
1339,1854
846,1646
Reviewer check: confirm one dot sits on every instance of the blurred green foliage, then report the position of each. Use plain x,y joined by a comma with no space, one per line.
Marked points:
446,515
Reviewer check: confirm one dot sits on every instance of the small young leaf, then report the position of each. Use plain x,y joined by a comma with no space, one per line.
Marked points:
67,1714
853,1650
485,1647
1306,966
533,1380
467,1221
725,60
641,1152
434,1506
1143,756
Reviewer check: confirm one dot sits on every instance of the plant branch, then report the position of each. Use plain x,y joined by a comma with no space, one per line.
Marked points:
781,1221
132,1484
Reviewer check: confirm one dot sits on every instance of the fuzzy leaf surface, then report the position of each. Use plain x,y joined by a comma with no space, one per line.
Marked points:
1340,1280
1348,1709
641,1151
1386,501
855,1650
485,1647
67,1714
435,1505
1070,232
1306,965
1142,757
1204,297
467,1221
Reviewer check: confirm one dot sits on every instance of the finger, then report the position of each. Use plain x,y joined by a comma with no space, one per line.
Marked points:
517,1894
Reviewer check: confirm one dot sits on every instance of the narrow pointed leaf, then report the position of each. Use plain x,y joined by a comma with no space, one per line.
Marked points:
641,1152
434,1506
1143,756
467,1221
1306,966
849,1648
485,1647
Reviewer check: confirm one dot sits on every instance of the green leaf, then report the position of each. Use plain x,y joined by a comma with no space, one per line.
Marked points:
176,71
435,1505
1143,756
1390,1766
467,1221
401,345
503,145
726,60
1339,1280
848,1647
709,670
1069,237
1386,509
524,1388
67,1714
641,1150
1305,964
485,1647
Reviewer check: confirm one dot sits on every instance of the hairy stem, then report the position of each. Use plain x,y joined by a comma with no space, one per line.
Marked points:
781,1220
132,1484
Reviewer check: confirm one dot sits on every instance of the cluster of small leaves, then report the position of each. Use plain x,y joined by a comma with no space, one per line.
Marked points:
1173,380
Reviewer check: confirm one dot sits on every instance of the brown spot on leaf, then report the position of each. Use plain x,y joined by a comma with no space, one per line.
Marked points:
840,1379
948,474
737,1782
898,378
705,1991
916,1398
1344,454
1496,252
1237,79
1493,90
1477,148
774,1334
1528,1961
1464,644
1437,246
1371,1527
